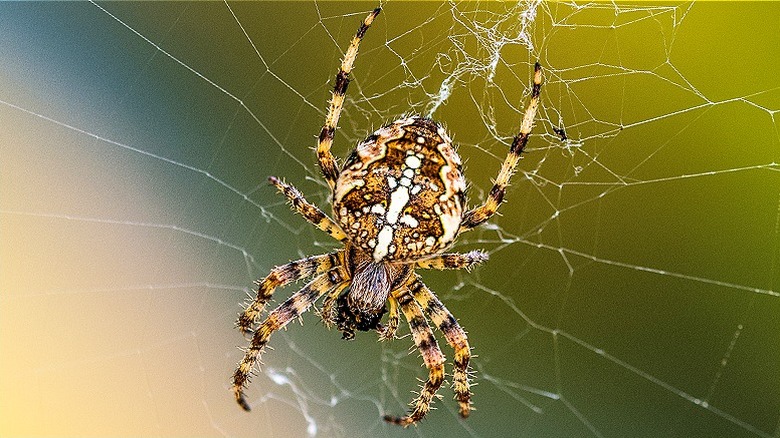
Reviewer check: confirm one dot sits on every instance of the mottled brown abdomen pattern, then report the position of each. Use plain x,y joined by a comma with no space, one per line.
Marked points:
400,194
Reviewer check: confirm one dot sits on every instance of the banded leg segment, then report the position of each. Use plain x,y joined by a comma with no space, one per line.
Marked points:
281,276
325,157
456,337
453,261
474,217
309,211
277,319
388,332
432,356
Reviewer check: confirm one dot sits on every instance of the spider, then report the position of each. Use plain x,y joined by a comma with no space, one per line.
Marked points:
398,203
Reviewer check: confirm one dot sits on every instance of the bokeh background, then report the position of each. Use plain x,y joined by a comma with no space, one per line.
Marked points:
633,287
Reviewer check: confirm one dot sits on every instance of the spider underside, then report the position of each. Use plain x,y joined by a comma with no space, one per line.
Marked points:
398,203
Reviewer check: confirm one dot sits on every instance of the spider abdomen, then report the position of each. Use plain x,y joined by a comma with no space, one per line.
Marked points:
400,193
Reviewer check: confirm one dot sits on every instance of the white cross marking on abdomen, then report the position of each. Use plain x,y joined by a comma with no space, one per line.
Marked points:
399,197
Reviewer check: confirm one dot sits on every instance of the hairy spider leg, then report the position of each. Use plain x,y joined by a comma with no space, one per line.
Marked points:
277,319
474,217
281,276
328,311
432,356
309,211
393,317
456,337
324,156
453,261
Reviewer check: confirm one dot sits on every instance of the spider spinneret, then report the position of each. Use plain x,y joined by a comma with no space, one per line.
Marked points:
398,204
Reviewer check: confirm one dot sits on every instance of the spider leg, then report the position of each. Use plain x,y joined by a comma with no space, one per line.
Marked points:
455,336
453,261
432,356
277,319
474,217
281,276
328,311
324,156
309,211
387,332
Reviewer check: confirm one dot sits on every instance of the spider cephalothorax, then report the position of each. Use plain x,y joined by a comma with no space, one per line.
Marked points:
399,203
362,306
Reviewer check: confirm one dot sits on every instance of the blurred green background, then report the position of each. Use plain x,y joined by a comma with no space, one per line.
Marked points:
633,282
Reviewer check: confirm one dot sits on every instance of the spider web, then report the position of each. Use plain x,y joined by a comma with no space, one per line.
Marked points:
632,287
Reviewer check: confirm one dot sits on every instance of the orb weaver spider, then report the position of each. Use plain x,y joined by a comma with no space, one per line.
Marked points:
398,203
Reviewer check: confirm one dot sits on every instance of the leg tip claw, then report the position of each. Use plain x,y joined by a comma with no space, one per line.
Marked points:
241,400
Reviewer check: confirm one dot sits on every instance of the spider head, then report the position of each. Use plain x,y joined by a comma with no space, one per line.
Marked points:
349,319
